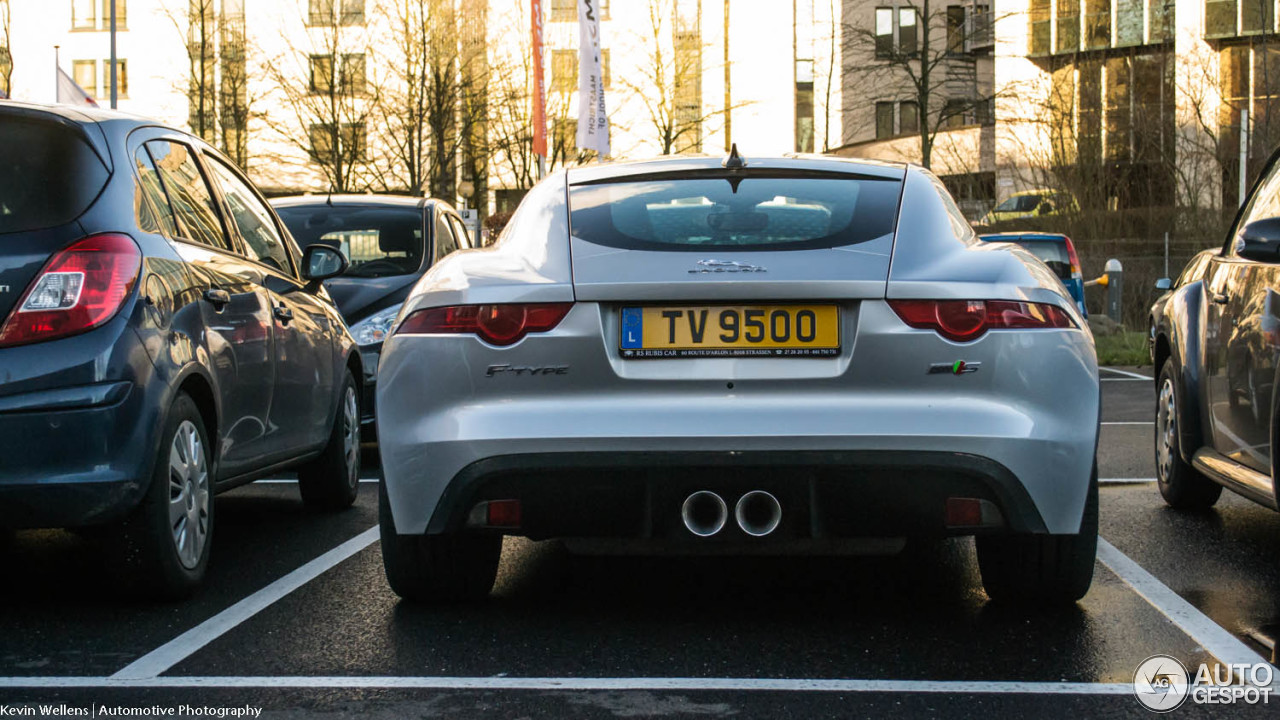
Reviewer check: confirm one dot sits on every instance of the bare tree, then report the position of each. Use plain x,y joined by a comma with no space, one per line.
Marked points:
218,81
669,78
6,57
926,68
402,107
324,88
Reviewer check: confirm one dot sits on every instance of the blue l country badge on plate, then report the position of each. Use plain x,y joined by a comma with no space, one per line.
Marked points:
632,328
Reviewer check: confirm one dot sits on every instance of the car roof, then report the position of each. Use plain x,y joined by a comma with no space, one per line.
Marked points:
352,200
1012,236
692,163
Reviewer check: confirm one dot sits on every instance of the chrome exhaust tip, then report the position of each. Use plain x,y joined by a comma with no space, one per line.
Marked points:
758,513
704,513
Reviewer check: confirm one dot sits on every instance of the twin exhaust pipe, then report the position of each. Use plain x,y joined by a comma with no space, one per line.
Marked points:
705,513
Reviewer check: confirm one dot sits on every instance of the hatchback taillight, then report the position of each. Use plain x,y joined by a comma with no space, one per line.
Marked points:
500,325
79,288
965,320
1074,259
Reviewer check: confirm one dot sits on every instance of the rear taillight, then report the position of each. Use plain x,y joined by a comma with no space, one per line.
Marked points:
965,320
1074,259
79,289
495,324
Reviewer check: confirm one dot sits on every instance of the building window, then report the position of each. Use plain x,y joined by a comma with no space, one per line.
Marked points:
84,15
909,117
1161,20
352,141
1041,31
954,114
1068,26
352,12
1129,22
1257,16
1219,18
955,28
606,68
804,129
884,32
121,15
6,68
564,70
330,13
1097,24
85,73
884,120
321,74
351,79
122,78
564,10
907,36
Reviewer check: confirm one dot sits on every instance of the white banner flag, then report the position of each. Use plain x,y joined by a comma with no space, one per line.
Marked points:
593,121
69,93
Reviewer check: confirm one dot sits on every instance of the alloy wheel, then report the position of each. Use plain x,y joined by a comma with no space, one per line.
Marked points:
188,494
1166,430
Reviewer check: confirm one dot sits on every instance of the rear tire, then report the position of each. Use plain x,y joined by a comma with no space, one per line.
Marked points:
332,481
165,541
1181,485
437,568
1046,569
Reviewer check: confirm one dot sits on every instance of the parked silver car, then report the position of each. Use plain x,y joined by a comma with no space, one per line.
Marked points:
777,355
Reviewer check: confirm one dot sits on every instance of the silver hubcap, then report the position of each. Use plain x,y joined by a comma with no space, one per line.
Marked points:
1166,430
188,495
351,436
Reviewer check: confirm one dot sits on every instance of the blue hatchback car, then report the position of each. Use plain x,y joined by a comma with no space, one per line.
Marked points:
1057,251
161,340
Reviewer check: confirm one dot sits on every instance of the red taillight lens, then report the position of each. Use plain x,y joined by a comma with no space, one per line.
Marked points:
79,289
1074,259
965,320
495,324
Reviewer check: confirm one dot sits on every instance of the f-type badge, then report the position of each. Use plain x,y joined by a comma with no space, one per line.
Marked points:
725,266
959,367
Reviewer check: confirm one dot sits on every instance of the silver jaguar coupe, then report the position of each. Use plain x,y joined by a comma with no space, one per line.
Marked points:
743,355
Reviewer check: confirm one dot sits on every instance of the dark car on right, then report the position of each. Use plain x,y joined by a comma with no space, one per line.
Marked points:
1215,342
391,241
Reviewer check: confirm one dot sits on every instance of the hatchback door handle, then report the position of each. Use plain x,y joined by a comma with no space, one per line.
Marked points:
1220,298
217,297
283,314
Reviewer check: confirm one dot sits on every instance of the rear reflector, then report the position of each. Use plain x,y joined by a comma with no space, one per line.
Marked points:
965,320
495,324
972,512
78,289
495,514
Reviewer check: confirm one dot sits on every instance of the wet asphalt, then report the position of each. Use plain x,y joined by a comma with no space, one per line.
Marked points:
917,616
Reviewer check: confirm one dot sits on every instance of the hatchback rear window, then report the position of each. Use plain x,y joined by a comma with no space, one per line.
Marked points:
744,213
1053,254
49,175
379,241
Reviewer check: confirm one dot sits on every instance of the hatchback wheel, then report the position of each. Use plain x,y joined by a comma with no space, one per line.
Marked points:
166,540
1181,485
332,480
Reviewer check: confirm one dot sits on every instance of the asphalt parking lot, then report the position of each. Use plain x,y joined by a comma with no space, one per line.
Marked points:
296,618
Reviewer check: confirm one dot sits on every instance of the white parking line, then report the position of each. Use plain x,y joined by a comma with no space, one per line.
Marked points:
1125,481
1215,639
579,684
180,648
1126,373
1128,422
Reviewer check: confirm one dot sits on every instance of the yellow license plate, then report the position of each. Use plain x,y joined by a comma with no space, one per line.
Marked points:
730,331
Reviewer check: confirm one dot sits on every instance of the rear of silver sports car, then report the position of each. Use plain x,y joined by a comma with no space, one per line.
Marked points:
772,358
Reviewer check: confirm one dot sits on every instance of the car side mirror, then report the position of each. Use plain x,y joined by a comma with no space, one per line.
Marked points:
1164,284
321,262
1260,241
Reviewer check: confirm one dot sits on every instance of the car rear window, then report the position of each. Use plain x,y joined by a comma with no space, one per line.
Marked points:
49,175
379,241
744,212
1053,254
